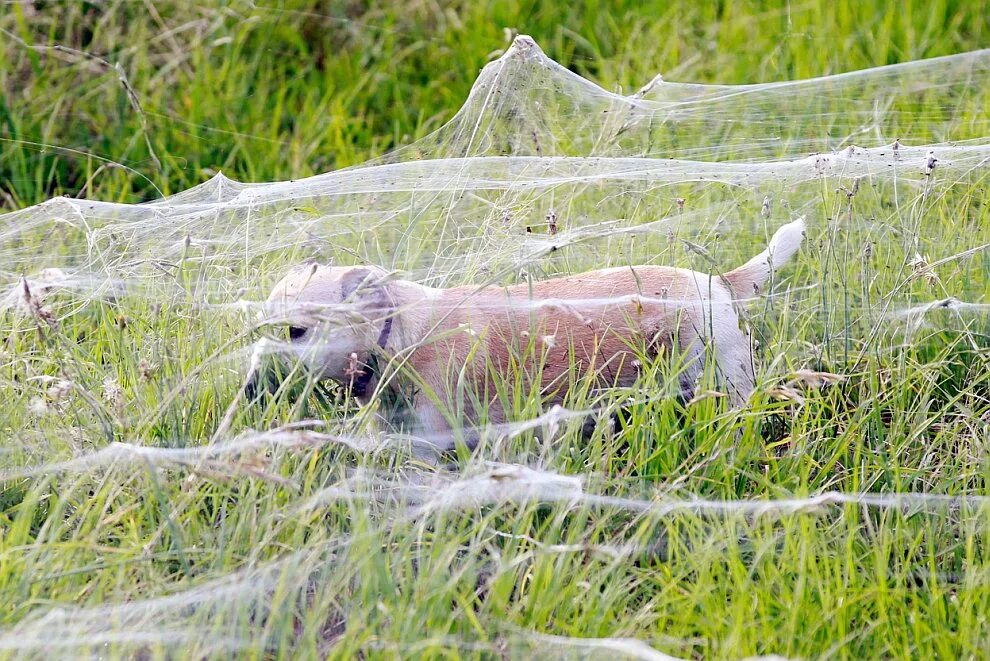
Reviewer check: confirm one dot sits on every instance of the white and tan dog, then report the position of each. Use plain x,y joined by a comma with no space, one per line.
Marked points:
452,342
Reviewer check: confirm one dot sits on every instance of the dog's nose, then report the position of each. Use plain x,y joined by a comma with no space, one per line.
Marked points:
251,387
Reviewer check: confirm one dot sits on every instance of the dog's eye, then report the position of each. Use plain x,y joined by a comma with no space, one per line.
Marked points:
296,332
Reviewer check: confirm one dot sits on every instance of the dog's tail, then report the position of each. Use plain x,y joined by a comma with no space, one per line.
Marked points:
751,276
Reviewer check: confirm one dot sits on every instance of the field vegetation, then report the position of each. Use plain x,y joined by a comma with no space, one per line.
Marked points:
146,509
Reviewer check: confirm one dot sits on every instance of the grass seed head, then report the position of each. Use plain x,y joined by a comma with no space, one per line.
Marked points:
922,268
113,393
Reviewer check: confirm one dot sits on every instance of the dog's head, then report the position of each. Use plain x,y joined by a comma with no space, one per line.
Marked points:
335,318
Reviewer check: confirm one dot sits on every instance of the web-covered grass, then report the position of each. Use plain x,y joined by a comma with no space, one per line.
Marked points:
147,508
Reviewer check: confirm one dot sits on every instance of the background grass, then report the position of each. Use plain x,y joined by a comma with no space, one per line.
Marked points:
281,91
232,554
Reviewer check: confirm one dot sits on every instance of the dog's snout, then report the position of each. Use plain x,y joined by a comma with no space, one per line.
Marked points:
251,387
262,381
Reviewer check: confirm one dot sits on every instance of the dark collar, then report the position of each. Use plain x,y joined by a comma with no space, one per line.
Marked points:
386,331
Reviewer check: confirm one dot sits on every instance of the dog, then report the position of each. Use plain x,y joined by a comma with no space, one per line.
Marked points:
346,322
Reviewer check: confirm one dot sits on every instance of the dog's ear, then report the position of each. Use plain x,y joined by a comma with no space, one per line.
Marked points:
366,283
351,280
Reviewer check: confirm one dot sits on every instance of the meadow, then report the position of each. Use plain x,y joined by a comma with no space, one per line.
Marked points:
147,509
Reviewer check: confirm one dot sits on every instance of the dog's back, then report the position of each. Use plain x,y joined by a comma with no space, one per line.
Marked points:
596,323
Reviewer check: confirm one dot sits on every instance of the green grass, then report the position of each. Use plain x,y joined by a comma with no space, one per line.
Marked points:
247,550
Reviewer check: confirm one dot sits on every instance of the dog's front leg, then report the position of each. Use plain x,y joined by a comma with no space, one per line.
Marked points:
436,432
430,428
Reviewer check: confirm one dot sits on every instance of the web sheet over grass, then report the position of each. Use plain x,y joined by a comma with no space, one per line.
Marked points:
300,525
534,140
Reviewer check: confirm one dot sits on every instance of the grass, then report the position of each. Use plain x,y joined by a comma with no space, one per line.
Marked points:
293,545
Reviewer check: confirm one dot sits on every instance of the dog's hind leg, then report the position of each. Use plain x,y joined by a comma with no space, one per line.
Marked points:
734,364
